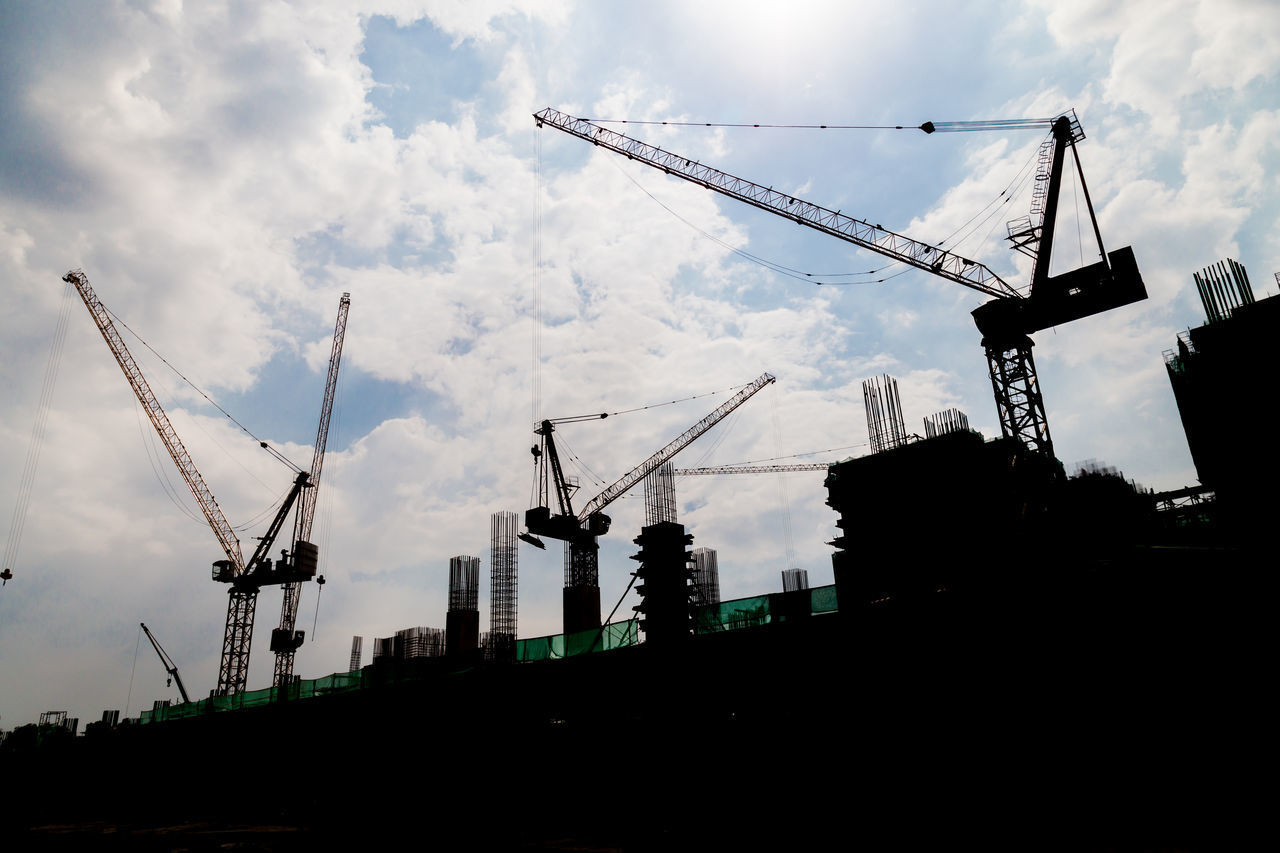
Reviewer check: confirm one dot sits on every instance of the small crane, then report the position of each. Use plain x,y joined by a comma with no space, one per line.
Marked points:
580,530
169,666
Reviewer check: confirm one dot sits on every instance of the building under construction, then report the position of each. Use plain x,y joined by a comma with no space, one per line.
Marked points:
1220,372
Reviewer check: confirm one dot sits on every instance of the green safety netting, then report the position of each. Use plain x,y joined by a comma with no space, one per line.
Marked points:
726,616
742,613
615,635
823,599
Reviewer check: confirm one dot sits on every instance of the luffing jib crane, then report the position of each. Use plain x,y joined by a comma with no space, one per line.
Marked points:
284,639
580,529
169,666
244,578
1008,319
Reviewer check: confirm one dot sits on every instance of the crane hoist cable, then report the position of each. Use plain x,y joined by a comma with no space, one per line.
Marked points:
927,127
26,484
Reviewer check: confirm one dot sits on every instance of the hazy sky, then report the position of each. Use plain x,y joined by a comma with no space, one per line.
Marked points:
224,171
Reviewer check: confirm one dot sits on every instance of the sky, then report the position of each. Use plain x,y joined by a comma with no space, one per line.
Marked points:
224,171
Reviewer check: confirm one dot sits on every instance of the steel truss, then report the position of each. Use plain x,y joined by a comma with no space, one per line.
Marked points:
1017,393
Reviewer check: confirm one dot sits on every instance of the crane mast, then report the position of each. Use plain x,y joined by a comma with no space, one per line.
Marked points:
1005,321
284,640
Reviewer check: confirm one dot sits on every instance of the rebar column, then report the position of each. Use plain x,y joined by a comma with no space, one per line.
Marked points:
462,622
503,585
706,577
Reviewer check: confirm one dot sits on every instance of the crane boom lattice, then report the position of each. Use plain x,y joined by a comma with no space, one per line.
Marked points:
155,412
635,475
923,256
285,641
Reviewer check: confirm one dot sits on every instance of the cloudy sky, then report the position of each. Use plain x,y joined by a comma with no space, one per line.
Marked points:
223,171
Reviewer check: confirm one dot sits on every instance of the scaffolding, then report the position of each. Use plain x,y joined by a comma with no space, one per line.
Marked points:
706,577
885,425
503,586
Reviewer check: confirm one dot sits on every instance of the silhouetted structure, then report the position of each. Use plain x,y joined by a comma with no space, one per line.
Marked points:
884,414
1221,373
500,640
706,576
794,579
664,589
948,420
462,622
660,495
985,504
357,649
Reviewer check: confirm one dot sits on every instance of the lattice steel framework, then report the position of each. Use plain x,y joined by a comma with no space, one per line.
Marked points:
357,649
581,562
307,503
660,495
885,425
464,583
1017,393
503,578
933,259
234,669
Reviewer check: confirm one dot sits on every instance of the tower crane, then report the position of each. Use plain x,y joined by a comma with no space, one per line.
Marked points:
284,640
1007,320
169,666
581,529
244,578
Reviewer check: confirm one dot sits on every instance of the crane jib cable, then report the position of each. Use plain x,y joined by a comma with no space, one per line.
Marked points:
264,445
927,127
573,419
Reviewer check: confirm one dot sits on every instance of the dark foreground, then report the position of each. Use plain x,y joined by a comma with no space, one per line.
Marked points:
1117,704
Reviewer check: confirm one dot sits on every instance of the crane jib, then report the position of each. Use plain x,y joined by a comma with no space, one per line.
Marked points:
875,238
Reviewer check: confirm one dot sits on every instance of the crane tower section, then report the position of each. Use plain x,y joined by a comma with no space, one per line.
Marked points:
285,641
